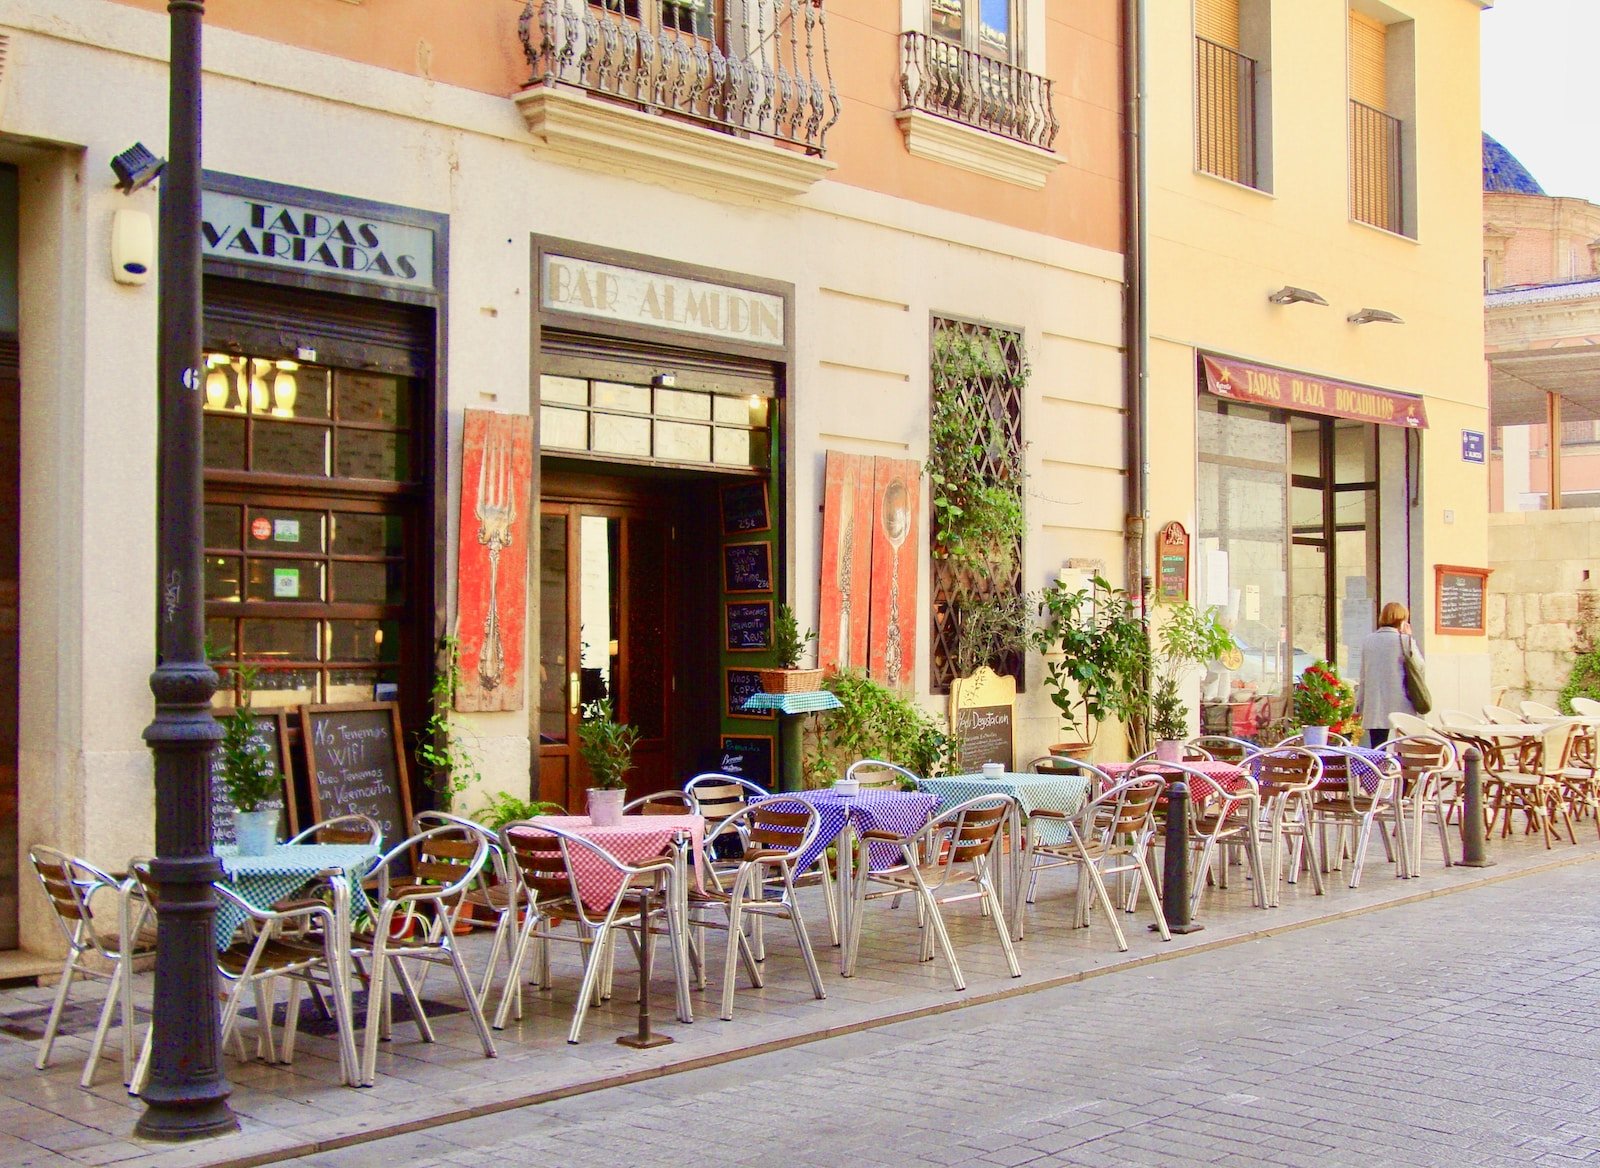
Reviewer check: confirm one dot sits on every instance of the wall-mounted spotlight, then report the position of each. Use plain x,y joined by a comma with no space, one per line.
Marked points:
1373,316
136,168
1289,294
664,380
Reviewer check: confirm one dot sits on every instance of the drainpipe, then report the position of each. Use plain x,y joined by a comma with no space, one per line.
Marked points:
1136,329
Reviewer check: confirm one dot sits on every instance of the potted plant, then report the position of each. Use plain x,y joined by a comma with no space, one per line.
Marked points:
875,722
1323,701
989,629
790,646
1187,639
606,747
248,777
504,807
1096,659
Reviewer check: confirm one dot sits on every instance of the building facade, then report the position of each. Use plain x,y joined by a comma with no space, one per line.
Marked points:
1317,401
677,274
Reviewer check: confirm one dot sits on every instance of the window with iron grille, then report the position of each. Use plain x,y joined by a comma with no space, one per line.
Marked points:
975,472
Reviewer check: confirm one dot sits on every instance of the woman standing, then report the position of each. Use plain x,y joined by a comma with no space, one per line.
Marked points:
1383,676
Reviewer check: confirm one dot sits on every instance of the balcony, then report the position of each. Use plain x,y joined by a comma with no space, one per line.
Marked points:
970,110
1225,113
1376,186
737,94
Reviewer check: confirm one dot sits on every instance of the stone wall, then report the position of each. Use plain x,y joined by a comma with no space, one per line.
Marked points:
1543,604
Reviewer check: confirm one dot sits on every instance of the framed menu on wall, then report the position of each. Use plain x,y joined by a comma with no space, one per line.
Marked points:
747,567
741,685
744,509
1458,600
748,625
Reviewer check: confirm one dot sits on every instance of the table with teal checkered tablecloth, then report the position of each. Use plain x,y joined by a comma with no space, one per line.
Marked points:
262,881
1064,793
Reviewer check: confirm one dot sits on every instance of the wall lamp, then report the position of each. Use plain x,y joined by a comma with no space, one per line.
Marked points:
1289,294
136,168
1373,316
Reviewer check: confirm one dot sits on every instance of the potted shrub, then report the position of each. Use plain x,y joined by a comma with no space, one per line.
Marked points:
989,628
875,722
790,646
1096,658
606,747
249,779
1187,639
1323,701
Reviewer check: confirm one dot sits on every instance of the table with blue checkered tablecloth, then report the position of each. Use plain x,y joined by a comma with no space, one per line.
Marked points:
1064,793
262,881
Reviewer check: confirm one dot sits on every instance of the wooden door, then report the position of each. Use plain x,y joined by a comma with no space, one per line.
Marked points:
604,595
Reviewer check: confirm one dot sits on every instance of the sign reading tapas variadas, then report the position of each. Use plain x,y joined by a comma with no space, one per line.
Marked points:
1286,390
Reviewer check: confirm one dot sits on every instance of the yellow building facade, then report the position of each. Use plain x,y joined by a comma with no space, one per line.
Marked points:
1316,392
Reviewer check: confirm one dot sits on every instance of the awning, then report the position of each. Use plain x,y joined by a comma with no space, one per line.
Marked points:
1285,389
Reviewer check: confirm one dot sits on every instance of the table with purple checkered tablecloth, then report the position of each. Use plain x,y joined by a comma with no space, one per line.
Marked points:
843,817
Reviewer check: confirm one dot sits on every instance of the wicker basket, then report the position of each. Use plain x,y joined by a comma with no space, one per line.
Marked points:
785,681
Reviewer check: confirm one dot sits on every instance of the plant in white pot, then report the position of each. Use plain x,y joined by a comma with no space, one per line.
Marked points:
606,747
250,781
1186,640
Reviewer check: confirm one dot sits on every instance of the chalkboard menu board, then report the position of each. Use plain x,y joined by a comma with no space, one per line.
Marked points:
747,567
356,765
748,625
744,509
272,732
742,684
748,757
986,736
1458,599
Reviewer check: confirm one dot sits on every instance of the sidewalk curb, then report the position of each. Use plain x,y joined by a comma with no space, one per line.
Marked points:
514,1101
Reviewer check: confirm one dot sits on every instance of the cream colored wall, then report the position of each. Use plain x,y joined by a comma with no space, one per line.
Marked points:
868,271
1217,249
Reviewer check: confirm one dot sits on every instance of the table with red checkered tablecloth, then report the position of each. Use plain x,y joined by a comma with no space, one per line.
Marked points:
636,839
1219,776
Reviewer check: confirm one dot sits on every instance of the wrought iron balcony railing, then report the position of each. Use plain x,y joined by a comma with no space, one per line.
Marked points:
1376,186
939,77
1225,112
757,67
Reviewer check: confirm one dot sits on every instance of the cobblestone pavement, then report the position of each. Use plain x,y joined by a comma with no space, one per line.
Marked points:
1458,1031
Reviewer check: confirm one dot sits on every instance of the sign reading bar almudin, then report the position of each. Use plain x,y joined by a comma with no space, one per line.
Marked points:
651,298
1285,390
322,240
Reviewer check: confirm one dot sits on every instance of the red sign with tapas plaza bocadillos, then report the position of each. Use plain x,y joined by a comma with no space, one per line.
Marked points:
1286,390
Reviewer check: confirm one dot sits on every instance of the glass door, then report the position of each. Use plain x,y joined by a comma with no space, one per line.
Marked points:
603,599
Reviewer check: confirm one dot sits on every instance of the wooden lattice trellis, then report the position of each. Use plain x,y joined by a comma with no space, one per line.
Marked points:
984,367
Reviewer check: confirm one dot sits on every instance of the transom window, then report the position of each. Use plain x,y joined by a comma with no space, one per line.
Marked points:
651,422
288,417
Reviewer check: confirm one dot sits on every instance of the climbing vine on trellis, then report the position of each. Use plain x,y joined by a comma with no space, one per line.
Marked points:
976,476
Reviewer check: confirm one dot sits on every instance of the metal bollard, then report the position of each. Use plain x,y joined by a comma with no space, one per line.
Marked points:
1474,842
1175,864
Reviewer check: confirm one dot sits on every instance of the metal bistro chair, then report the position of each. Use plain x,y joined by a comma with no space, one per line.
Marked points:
1223,748
301,944
717,797
412,920
545,860
1367,798
660,803
1427,769
771,833
874,773
86,900
1534,785
1286,779
1221,820
966,842
490,903
1109,836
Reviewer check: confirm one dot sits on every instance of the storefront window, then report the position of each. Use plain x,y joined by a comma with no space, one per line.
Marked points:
1287,548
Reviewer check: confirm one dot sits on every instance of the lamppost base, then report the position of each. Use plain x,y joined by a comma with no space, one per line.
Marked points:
1177,929
645,1043
171,1124
1474,863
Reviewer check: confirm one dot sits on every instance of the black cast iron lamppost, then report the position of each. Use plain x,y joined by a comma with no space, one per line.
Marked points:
187,1094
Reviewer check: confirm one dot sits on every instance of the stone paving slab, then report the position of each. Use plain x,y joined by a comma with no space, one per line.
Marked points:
287,1112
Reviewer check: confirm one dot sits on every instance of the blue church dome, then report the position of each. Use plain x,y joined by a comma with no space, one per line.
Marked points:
1502,172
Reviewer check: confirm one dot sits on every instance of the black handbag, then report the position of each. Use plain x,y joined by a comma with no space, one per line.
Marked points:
1415,684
